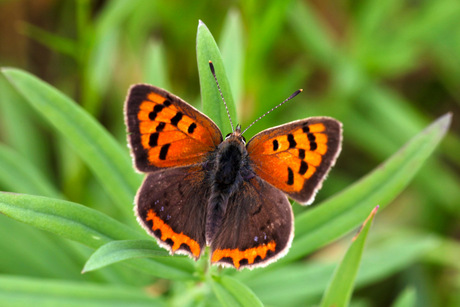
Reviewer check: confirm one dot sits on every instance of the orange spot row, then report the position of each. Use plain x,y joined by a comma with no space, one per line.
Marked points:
168,233
317,127
156,97
301,139
237,255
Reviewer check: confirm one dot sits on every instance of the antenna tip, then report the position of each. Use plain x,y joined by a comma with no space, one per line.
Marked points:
211,66
301,90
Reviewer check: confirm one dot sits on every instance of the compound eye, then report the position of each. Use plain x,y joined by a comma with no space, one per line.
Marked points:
226,137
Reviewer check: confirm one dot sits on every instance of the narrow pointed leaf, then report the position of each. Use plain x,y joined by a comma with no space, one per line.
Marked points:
155,70
240,292
213,106
117,251
296,283
20,175
407,298
89,227
225,298
26,291
104,156
338,293
231,44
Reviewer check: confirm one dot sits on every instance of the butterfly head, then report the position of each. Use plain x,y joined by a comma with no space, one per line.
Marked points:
236,135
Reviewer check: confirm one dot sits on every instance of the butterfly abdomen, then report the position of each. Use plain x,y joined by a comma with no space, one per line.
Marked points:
225,179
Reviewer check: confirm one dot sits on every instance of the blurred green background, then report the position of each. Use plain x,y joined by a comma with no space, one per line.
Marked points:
385,69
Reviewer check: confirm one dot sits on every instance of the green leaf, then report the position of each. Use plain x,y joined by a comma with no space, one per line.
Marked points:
104,156
223,296
240,292
207,50
336,216
338,292
298,283
99,60
406,298
89,227
312,33
52,41
67,219
19,175
231,44
117,251
20,130
22,291
446,254
16,257
155,70
99,71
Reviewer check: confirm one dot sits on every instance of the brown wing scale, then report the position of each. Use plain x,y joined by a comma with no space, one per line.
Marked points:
171,206
257,228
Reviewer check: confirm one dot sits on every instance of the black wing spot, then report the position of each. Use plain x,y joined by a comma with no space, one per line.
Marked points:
311,137
157,232
164,151
313,146
275,145
157,108
290,180
169,241
292,142
302,153
244,261
152,115
167,102
185,247
303,167
305,128
153,141
191,128
160,127
176,119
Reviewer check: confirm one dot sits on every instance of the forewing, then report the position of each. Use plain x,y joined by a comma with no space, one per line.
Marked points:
297,156
257,228
165,131
171,206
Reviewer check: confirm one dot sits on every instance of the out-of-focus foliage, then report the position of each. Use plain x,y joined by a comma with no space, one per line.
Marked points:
385,69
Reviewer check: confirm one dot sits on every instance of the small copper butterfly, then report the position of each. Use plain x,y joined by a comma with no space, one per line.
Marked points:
202,190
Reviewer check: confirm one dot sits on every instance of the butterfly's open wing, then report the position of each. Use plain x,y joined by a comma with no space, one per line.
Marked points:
297,156
165,131
171,206
257,227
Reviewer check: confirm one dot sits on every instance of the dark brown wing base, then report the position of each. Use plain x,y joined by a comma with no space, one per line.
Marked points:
171,206
257,228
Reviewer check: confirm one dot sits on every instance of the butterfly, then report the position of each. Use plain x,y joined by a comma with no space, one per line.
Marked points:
203,190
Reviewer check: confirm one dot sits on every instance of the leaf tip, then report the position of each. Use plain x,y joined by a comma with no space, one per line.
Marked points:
445,121
6,70
369,218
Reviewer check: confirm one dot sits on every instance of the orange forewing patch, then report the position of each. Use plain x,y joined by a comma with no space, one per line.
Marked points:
168,233
250,254
176,152
273,154
188,135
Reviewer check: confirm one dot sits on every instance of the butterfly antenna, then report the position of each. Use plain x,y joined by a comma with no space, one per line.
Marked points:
289,98
221,95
